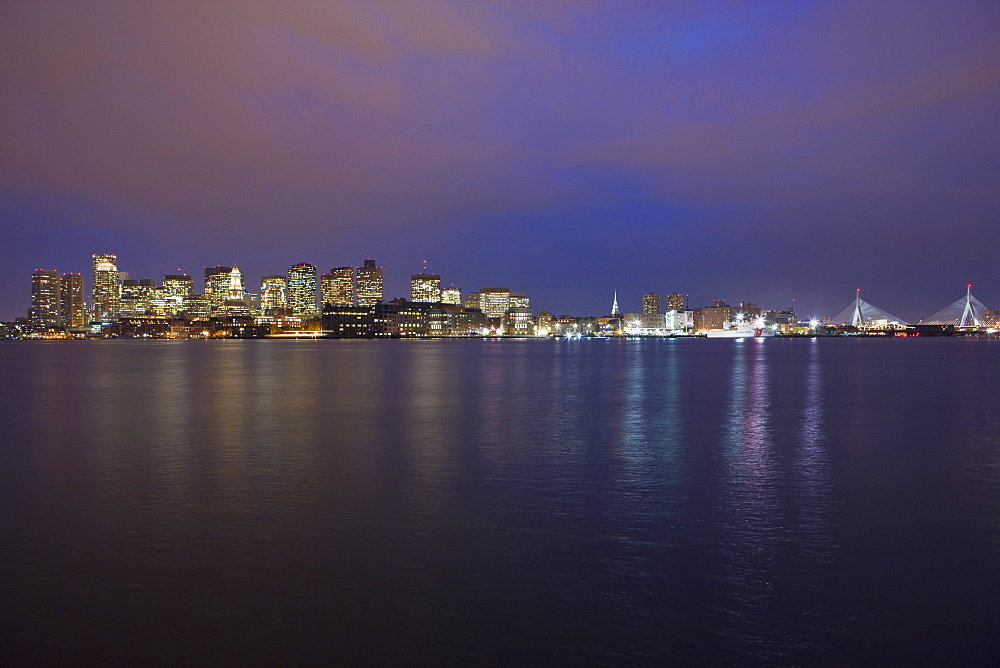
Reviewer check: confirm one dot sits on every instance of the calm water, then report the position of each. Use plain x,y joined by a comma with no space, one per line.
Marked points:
689,501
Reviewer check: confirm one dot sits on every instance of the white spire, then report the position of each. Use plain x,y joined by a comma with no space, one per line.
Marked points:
614,306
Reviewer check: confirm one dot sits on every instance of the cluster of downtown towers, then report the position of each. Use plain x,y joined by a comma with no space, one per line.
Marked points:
58,300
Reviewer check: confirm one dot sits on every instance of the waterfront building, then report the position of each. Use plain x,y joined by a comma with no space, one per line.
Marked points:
518,321
46,298
494,302
337,287
273,293
675,301
369,284
349,322
105,290
425,287
651,303
451,295
400,319
71,302
454,320
544,323
217,280
519,300
302,289
472,300
717,315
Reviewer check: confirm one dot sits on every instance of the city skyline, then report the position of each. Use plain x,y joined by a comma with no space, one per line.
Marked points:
763,151
218,286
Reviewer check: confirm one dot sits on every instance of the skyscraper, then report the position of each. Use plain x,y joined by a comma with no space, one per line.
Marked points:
71,303
369,284
337,287
236,291
425,287
136,296
217,286
302,290
178,286
651,303
273,293
46,289
494,302
675,301
106,289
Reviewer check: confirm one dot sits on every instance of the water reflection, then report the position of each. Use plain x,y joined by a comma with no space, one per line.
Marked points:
750,517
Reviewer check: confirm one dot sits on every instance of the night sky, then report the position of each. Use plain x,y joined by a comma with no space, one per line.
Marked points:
758,151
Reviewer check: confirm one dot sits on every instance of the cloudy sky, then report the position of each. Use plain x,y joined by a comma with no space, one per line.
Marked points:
762,151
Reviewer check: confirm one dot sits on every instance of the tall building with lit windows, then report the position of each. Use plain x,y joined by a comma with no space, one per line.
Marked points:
302,290
651,303
369,284
217,286
71,302
176,289
494,302
178,286
273,292
675,301
46,292
425,287
451,295
337,287
106,288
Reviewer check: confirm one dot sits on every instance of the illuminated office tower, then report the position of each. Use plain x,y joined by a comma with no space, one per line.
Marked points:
46,290
177,288
71,306
136,296
273,291
337,287
651,303
106,289
302,289
369,284
675,301
217,286
180,286
425,287
472,300
451,295
519,300
494,302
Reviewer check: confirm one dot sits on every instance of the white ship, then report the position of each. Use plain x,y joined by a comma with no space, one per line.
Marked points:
741,330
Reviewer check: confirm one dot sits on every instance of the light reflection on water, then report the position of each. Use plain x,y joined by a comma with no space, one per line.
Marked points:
808,501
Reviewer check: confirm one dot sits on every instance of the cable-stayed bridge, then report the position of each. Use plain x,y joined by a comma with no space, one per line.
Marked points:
966,311
863,315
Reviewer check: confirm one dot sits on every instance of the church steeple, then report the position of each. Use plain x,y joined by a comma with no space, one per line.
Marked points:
614,307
